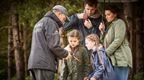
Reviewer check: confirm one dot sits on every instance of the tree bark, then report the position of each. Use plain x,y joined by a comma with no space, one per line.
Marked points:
135,16
10,52
17,48
131,27
25,36
139,18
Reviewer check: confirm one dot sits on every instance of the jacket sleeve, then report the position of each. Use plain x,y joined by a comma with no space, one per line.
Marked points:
71,24
53,41
100,66
86,62
119,35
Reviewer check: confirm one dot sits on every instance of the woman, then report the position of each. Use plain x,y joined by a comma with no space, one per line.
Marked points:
116,43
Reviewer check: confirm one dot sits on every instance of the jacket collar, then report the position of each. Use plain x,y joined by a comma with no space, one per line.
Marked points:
54,17
96,15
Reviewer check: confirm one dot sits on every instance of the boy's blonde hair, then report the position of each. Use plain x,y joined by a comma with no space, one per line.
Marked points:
93,38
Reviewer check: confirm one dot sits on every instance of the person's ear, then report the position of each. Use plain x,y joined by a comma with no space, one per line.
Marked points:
59,13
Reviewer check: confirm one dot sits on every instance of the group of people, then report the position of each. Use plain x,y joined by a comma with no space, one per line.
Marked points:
96,50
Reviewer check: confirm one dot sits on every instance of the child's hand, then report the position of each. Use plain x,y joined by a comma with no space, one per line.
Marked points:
68,48
69,51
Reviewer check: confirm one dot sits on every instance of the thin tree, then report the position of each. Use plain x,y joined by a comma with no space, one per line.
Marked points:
10,52
18,51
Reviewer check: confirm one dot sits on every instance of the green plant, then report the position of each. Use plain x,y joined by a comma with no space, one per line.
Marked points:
139,76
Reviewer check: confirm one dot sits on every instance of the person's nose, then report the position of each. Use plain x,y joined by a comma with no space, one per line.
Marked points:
72,42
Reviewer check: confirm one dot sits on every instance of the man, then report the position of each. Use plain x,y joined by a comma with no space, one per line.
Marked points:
45,47
86,22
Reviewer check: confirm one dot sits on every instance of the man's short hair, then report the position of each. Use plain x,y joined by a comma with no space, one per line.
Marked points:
60,8
92,3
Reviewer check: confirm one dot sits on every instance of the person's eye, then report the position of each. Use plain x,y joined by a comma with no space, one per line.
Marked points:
74,41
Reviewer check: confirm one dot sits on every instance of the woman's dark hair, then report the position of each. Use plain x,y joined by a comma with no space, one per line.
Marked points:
116,10
92,3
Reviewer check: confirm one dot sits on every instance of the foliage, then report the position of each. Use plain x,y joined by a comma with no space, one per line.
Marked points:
3,51
29,12
75,6
139,76
2,65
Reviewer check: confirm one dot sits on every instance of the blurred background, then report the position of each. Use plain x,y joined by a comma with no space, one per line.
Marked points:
18,17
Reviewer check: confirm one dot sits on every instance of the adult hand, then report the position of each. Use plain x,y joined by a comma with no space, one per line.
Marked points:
92,78
86,78
102,27
88,24
80,15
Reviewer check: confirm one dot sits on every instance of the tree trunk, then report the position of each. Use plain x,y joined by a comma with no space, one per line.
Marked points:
25,36
130,22
135,16
10,52
139,18
17,49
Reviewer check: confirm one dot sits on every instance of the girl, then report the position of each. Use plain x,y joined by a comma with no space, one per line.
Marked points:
77,65
102,68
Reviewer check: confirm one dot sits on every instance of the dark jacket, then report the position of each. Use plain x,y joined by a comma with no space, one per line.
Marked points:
78,24
77,65
45,48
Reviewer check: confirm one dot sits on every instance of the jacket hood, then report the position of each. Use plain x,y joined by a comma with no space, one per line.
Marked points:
54,17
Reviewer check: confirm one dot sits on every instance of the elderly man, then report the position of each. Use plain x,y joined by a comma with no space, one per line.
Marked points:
45,48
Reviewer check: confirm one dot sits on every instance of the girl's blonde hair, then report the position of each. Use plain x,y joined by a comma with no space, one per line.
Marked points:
74,33
93,38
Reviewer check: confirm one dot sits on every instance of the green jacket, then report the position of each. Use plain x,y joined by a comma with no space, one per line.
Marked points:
78,66
117,45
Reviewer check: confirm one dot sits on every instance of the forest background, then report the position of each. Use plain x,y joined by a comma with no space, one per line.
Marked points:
18,17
